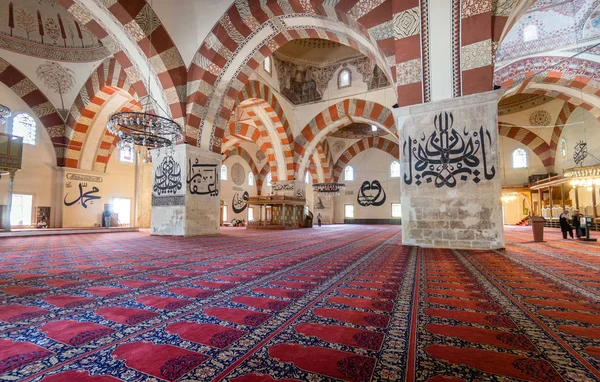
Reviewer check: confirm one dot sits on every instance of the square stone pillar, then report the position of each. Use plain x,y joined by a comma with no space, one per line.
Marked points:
325,207
185,191
450,183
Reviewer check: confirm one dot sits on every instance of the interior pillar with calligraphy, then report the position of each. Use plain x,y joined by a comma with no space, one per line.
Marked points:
185,191
450,169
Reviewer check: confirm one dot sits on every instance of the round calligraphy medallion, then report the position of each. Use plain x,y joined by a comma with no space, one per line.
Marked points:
260,156
238,175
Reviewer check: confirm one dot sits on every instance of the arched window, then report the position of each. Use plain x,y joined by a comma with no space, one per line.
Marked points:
269,179
344,78
267,64
223,172
24,126
519,158
563,149
530,33
348,173
395,169
126,154
307,177
250,179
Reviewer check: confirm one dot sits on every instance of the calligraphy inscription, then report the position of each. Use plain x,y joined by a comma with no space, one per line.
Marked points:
283,187
167,179
371,194
447,154
202,179
319,205
84,178
239,203
580,153
84,197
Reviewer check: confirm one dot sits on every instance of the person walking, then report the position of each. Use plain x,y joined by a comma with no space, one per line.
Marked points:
319,219
564,225
577,223
106,216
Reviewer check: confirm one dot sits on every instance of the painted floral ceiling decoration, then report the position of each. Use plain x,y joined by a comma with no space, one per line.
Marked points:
42,28
549,25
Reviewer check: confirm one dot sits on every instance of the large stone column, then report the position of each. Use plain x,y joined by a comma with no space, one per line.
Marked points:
450,180
185,191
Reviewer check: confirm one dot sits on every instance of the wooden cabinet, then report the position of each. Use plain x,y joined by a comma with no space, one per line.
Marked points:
42,214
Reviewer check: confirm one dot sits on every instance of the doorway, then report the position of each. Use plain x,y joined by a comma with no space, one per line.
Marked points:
122,207
21,210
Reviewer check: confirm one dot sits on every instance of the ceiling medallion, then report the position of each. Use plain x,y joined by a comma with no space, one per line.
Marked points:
540,118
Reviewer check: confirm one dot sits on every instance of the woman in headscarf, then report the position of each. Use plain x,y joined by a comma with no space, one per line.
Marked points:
564,224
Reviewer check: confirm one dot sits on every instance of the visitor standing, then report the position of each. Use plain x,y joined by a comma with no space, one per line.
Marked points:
106,216
577,223
319,219
564,225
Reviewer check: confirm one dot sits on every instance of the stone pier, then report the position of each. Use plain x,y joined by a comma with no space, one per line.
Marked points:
450,183
185,191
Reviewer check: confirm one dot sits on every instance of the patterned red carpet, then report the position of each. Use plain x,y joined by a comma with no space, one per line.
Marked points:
338,303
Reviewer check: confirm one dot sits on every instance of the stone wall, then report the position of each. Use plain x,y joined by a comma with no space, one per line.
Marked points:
450,184
185,191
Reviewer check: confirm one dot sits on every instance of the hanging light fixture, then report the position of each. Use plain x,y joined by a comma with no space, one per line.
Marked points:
329,190
5,113
146,128
508,197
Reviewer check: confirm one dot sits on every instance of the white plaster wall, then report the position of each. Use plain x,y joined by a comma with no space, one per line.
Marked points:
117,182
581,126
36,176
369,165
510,175
513,210
229,188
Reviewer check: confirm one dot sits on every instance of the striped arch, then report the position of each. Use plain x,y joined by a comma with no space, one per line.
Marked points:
532,141
108,79
365,144
164,57
334,117
561,120
482,28
325,160
43,109
109,141
259,135
578,90
257,90
262,175
221,68
268,121
238,150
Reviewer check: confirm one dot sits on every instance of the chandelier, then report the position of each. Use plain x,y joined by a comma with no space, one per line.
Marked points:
5,113
145,128
508,197
329,189
584,176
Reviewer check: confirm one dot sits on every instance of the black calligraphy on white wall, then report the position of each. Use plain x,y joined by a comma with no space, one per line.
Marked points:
319,205
371,194
167,178
239,203
283,187
580,153
300,193
202,179
447,154
82,198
